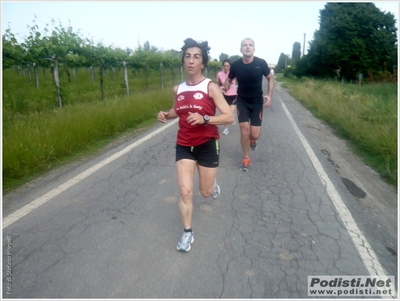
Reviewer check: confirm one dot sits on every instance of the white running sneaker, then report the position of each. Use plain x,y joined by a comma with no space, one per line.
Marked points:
217,191
225,132
185,244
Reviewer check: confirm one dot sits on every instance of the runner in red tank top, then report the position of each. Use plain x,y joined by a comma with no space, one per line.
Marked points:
197,144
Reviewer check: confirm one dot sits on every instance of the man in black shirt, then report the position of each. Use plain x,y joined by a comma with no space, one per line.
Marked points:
249,72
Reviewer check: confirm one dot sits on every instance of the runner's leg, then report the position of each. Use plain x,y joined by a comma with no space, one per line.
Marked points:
185,172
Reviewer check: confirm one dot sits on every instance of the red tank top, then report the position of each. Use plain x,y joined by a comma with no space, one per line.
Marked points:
194,98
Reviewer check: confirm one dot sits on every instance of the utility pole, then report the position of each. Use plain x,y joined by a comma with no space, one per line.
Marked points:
304,44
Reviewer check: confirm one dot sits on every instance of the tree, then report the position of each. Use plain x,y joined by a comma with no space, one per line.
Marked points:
146,46
353,38
129,51
302,67
296,52
12,51
222,57
283,62
234,58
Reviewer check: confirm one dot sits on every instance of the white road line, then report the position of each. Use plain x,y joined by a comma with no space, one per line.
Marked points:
12,218
365,250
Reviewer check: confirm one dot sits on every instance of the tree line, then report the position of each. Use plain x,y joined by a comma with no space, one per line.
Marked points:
353,40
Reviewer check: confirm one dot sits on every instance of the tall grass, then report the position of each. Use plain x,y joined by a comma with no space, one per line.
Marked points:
364,115
38,136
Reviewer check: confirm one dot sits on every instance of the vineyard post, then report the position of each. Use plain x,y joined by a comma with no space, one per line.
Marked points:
91,72
181,74
56,79
35,70
125,65
102,80
161,76
29,72
146,74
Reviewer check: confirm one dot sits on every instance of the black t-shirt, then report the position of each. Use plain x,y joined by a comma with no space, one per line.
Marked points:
249,77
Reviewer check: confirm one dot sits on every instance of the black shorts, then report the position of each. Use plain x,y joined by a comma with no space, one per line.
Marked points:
250,109
230,99
206,154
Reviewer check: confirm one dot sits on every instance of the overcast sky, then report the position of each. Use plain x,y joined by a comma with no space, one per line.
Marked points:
274,26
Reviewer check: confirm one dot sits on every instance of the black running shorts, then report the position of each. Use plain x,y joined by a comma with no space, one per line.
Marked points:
206,154
250,109
230,99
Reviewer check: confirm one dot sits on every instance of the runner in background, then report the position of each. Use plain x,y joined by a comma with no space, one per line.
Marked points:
230,95
249,72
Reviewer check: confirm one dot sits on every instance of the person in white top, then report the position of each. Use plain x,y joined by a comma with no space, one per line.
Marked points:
230,95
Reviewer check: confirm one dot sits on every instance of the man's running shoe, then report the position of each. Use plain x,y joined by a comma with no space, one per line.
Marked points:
185,244
217,191
244,166
253,144
225,132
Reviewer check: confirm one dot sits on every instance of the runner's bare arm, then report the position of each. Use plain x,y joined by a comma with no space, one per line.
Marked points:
163,115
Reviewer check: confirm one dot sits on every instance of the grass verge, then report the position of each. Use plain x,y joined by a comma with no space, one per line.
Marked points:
366,116
37,142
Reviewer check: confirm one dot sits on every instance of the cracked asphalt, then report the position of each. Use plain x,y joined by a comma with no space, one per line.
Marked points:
113,234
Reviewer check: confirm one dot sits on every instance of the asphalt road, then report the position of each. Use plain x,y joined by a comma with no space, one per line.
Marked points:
107,227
